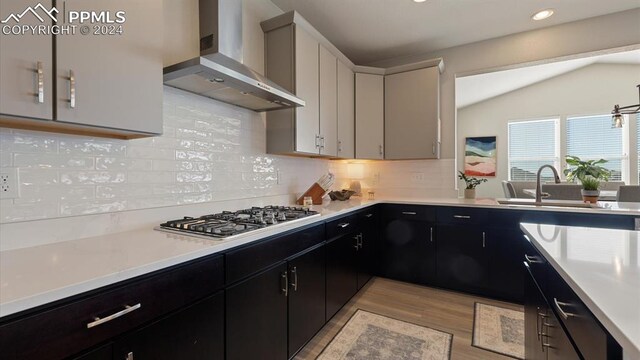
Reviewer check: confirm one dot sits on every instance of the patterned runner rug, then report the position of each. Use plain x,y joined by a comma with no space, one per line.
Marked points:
499,330
368,336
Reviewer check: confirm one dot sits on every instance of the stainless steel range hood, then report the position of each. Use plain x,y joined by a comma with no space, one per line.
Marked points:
218,72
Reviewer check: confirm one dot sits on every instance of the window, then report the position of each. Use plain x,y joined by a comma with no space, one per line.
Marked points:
531,145
592,138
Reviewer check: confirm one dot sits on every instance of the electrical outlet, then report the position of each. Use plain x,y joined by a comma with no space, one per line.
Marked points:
376,178
417,177
8,183
278,177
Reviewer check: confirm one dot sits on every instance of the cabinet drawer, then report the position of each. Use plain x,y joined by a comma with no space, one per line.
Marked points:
410,212
63,330
462,215
590,338
255,257
344,225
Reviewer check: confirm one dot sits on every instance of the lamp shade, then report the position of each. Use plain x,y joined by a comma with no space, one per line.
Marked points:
355,171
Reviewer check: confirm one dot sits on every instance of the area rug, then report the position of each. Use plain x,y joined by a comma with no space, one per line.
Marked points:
369,336
499,330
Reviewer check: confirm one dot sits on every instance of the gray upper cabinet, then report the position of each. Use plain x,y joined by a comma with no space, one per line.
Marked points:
113,81
108,80
292,61
412,114
26,67
369,116
346,112
328,103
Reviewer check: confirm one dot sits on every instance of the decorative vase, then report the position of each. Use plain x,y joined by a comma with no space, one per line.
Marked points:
469,193
590,196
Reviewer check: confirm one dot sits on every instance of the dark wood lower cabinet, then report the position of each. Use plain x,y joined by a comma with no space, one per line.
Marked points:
506,273
535,312
256,316
366,257
306,297
407,251
196,332
103,353
463,258
342,273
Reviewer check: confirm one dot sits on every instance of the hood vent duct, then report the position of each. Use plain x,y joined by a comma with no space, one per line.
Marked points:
218,72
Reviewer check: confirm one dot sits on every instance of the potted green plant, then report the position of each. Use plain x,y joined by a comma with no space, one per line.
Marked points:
590,189
578,169
470,185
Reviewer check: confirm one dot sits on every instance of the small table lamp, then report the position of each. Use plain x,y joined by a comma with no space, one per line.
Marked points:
355,173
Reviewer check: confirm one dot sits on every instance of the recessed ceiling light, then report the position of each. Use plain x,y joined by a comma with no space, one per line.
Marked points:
542,14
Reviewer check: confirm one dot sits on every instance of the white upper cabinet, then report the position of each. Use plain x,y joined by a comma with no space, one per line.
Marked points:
412,114
369,116
26,66
108,74
328,103
346,112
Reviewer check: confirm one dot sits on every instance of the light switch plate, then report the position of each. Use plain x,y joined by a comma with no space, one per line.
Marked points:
8,183
637,223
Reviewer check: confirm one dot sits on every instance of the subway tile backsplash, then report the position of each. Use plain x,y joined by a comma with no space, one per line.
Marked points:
209,152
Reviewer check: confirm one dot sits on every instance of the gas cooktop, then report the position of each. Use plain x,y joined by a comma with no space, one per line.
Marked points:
229,223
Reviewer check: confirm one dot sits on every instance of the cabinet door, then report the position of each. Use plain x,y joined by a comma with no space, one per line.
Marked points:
535,313
463,260
328,103
408,251
558,345
194,333
103,353
306,297
412,114
346,112
113,81
26,91
256,316
307,88
342,276
369,116
368,247
506,273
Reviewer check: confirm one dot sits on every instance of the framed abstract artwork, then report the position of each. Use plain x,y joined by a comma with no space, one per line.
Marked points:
480,156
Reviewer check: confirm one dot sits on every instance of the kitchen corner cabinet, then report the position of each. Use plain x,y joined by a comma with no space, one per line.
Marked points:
369,116
102,86
412,114
346,112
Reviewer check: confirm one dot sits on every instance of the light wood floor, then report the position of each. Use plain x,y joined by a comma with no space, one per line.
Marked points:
442,310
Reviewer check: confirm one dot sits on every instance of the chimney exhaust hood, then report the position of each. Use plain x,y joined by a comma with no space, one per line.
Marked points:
218,72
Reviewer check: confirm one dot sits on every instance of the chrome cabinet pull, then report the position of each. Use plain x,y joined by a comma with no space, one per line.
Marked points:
462,216
360,242
409,213
431,234
344,225
563,313
129,356
357,245
322,142
72,89
368,215
318,141
127,309
381,150
40,90
339,145
294,273
285,283
531,259
484,239
433,148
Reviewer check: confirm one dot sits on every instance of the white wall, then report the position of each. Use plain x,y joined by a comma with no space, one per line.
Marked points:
591,90
565,40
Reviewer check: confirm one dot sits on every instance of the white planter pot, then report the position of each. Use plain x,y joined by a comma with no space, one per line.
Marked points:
469,193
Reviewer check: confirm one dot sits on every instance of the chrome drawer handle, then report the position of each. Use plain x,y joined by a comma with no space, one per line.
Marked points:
368,215
344,225
40,72
462,216
559,306
72,89
294,284
127,309
532,259
409,213
285,283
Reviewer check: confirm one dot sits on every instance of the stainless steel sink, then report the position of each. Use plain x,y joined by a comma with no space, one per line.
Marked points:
551,203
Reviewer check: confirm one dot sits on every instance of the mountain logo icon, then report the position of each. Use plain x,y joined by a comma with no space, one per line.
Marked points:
34,10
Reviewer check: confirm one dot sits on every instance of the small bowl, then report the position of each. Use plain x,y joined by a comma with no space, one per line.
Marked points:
342,195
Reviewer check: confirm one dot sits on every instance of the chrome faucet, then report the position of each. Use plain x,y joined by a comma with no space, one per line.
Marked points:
539,194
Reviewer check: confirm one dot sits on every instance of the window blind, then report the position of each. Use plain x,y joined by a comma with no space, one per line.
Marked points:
531,145
592,138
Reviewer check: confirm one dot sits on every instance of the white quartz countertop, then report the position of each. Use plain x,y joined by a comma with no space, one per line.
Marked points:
602,266
36,275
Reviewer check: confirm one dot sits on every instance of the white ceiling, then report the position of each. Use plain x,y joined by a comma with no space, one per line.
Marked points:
367,31
476,88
